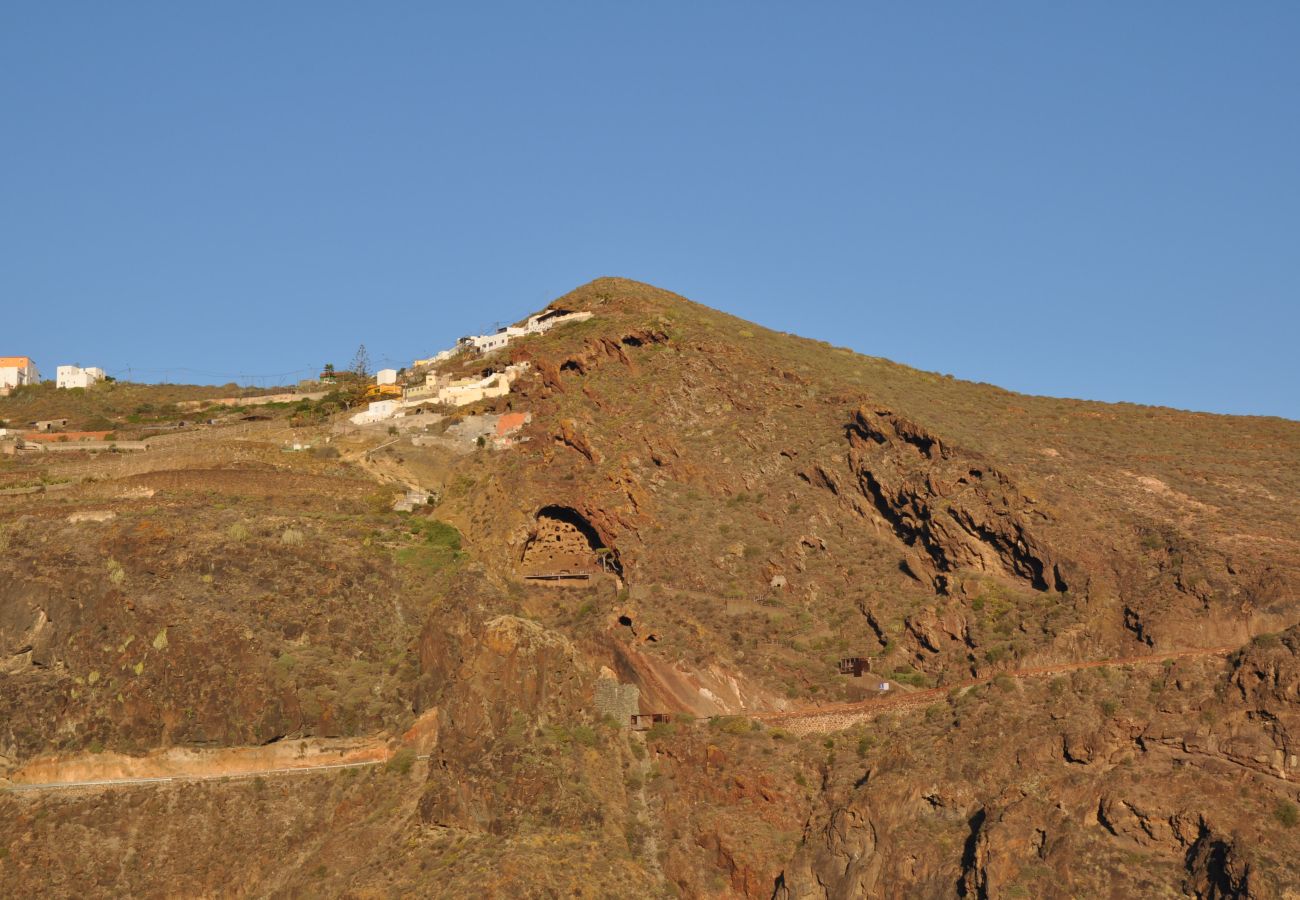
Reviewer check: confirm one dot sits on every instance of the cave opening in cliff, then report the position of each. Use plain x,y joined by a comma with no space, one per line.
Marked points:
564,543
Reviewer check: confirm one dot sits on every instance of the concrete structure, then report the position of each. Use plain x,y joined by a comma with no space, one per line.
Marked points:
460,392
466,391
47,435
50,424
386,376
263,400
377,412
646,721
16,371
438,357
856,666
81,445
77,377
621,702
411,499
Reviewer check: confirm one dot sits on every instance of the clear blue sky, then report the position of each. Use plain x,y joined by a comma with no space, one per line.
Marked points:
1095,200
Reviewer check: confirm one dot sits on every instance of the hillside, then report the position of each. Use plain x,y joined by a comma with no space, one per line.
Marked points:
1087,615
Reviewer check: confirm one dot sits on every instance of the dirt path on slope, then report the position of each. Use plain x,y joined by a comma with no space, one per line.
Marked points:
811,720
190,764
294,757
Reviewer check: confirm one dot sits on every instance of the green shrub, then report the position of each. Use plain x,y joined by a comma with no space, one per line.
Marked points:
660,730
439,546
733,725
585,735
1287,813
401,761
237,532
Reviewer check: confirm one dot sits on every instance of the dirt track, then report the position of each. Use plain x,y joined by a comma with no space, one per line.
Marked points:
844,715
183,764
106,770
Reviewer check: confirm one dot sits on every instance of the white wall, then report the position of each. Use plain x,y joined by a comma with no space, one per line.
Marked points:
77,377
386,376
13,376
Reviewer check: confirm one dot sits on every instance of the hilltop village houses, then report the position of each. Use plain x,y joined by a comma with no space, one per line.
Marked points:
16,371
539,323
462,391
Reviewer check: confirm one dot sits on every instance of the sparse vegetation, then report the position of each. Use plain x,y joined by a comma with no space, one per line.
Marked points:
401,761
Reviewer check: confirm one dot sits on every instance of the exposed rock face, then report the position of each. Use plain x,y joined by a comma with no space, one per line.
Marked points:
847,863
496,684
952,510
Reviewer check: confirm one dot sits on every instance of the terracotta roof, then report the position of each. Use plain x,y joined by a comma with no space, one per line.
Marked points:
20,362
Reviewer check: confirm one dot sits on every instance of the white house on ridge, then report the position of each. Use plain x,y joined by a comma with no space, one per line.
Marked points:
77,377
16,371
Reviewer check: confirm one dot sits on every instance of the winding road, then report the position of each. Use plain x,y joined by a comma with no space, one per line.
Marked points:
237,762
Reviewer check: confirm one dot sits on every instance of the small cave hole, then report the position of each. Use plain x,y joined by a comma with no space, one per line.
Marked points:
625,620
570,365
633,341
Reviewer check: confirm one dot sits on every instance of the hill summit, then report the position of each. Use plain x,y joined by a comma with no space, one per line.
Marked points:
682,607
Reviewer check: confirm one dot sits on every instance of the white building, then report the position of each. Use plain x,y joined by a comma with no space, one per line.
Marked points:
377,411
540,323
77,377
386,376
16,371
442,356
462,391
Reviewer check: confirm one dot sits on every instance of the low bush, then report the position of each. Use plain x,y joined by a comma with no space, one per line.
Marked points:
401,761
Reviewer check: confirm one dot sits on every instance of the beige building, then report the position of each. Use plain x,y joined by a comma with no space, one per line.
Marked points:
16,371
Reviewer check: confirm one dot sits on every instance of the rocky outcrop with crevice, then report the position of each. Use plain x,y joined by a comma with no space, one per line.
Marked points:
950,508
594,353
